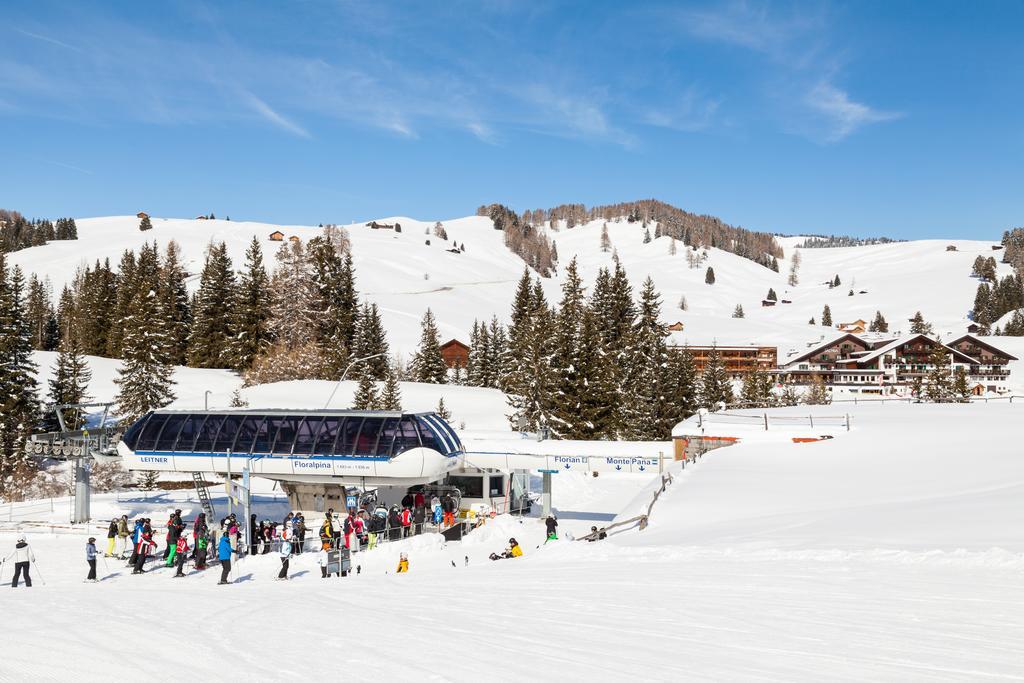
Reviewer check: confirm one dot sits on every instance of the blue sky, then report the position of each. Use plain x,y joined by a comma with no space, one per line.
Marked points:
904,119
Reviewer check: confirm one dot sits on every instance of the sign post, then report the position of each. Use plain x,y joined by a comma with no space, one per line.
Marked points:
545,496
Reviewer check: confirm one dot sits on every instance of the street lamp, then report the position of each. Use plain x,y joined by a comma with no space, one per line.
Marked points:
338,384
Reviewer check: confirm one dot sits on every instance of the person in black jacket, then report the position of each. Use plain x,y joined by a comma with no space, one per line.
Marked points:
551,524
111,537
418,515
394,524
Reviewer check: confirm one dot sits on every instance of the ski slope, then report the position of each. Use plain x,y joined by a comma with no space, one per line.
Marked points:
404,276
892,552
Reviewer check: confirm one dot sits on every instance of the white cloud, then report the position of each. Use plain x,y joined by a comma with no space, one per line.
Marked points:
843,115
689,112
482,131
264,110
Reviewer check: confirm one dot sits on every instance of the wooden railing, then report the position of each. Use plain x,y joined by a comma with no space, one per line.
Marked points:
666,479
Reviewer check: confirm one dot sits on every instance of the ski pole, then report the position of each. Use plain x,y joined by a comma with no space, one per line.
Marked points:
35,563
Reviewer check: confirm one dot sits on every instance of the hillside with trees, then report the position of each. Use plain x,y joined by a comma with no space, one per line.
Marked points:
691,229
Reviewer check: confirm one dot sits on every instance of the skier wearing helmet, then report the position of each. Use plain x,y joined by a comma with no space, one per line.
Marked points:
23,556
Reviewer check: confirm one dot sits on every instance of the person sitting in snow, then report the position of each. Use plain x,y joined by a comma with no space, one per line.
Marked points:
403,563
513,550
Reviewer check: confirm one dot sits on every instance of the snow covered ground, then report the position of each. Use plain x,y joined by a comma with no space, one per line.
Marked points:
892,551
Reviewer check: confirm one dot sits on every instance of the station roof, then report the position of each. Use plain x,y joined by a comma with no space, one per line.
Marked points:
304,433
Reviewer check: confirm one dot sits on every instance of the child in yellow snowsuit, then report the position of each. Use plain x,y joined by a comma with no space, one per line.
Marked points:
403,563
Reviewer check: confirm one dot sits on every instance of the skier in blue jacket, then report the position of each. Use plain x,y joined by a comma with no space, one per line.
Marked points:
224,551
136,537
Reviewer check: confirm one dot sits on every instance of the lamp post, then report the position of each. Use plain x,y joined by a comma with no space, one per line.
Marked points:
343,374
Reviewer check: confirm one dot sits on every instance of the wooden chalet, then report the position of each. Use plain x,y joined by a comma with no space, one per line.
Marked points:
991,366
277,236
737,360
878,366
141,214
855,327
677,326
455,353
294,238
767,303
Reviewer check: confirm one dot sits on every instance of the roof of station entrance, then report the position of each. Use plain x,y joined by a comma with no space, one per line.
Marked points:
291,433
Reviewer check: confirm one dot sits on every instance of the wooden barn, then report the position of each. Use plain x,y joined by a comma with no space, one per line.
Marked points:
455,353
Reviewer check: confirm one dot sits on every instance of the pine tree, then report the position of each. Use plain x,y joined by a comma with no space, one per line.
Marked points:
681,385
918,325
294,298
647,236
682,303
961,389
794,270
878,324
70,384
709,276
811,321
370,341
672,251
818,394
428,364
1015,325
391,398
826,316
939,387
334,315
529,379
771,295
94,310
738,311
40,316
145,224
645,413
19,403
583,397
174,302
211,335
606,242
836,282
497,354
366,393
757,389
125,292
442,410
145,379
479,346
250,319
615,313
715,386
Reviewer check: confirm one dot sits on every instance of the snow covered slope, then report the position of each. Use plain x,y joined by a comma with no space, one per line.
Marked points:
891,553
405,276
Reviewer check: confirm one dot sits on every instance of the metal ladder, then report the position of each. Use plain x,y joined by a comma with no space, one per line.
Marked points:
204,496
